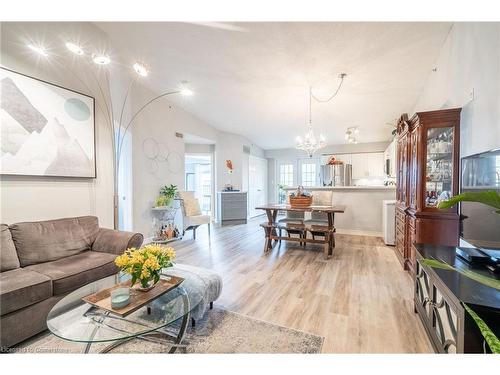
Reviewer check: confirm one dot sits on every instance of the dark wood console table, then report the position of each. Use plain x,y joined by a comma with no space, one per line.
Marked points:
438,298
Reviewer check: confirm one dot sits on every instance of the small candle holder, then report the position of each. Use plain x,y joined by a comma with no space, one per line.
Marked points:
120,298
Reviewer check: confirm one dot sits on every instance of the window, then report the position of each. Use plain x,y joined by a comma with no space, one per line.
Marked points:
308,174
286,175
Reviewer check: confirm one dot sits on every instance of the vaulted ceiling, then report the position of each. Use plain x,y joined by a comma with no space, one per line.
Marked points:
252,78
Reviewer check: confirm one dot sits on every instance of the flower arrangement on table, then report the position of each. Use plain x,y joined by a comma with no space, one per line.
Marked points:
145,264
300,198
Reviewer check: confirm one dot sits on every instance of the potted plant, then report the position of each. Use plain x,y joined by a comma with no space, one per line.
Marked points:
167,195
490,198
145,264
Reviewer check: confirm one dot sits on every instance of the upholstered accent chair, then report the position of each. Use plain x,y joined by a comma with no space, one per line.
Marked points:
192,217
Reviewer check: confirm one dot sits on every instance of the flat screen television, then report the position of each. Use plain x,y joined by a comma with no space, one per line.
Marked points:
481,224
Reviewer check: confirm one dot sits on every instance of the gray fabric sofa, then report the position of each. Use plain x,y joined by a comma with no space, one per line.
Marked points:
43,261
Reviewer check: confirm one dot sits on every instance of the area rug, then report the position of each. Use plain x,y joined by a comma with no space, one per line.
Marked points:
220,331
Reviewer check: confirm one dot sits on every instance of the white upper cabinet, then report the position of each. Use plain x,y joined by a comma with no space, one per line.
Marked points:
367,165
364,164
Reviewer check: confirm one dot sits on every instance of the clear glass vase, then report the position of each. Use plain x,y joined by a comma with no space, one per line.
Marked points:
150,284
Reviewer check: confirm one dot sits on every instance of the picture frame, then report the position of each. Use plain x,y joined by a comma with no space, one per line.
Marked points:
47,130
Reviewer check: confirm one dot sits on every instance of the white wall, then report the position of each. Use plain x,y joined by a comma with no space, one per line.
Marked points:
192,148
230,146
159,121
41,198
469,60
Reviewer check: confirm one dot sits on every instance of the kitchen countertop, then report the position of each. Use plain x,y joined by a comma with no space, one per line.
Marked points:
392,187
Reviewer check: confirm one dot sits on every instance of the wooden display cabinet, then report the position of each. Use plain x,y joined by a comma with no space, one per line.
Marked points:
427,163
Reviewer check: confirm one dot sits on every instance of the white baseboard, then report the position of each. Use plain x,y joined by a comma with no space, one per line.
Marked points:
357,232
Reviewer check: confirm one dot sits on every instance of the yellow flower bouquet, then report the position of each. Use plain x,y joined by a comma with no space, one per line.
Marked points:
145,264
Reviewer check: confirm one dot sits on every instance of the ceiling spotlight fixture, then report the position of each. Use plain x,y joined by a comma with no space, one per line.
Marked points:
38,49
140,69
75,48
184,90
350,134
101,59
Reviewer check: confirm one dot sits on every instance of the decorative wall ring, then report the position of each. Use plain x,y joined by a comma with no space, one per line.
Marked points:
153,166
150,148
163,152
174,162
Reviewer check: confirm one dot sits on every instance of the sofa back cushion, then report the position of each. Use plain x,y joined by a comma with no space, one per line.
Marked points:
8,255
46,241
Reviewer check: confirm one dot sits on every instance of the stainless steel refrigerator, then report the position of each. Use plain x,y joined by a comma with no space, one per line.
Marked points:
336,175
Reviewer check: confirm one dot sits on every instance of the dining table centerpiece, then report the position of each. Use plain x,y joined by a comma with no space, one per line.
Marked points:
145,264
300,198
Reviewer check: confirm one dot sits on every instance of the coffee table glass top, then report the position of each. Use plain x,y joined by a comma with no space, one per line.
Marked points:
75,320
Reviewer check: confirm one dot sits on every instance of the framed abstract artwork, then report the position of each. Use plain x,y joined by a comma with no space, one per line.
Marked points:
46,130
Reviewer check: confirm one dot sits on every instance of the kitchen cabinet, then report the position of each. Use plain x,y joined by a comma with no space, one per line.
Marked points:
232,207
367,164
427,172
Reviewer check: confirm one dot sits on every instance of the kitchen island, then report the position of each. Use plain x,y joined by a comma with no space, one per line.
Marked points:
363,204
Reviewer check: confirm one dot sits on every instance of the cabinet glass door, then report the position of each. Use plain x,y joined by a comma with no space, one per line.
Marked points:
439,165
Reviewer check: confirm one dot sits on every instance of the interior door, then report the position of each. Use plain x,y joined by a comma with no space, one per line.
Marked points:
257,185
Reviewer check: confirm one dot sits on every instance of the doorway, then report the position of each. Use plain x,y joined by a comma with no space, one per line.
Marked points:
199,179
257,184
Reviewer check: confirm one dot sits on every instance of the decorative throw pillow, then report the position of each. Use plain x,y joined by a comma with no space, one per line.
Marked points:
192,207
8,254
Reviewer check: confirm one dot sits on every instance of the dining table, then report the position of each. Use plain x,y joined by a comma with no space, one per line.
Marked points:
324,229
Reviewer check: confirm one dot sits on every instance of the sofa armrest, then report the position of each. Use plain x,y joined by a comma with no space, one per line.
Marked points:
116,241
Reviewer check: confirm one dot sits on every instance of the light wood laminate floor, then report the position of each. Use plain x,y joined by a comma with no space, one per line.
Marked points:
360,300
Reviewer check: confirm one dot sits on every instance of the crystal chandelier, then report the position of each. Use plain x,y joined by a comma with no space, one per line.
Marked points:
310,144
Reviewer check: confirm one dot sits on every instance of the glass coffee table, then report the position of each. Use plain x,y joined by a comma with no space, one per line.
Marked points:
75,320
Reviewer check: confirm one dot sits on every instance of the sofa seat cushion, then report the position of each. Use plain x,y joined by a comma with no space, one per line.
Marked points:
73,272
20,288
46,241
8,254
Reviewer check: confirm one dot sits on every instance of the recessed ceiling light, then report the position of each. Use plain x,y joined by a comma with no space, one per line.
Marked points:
38,49
140,69
75,48
101,59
